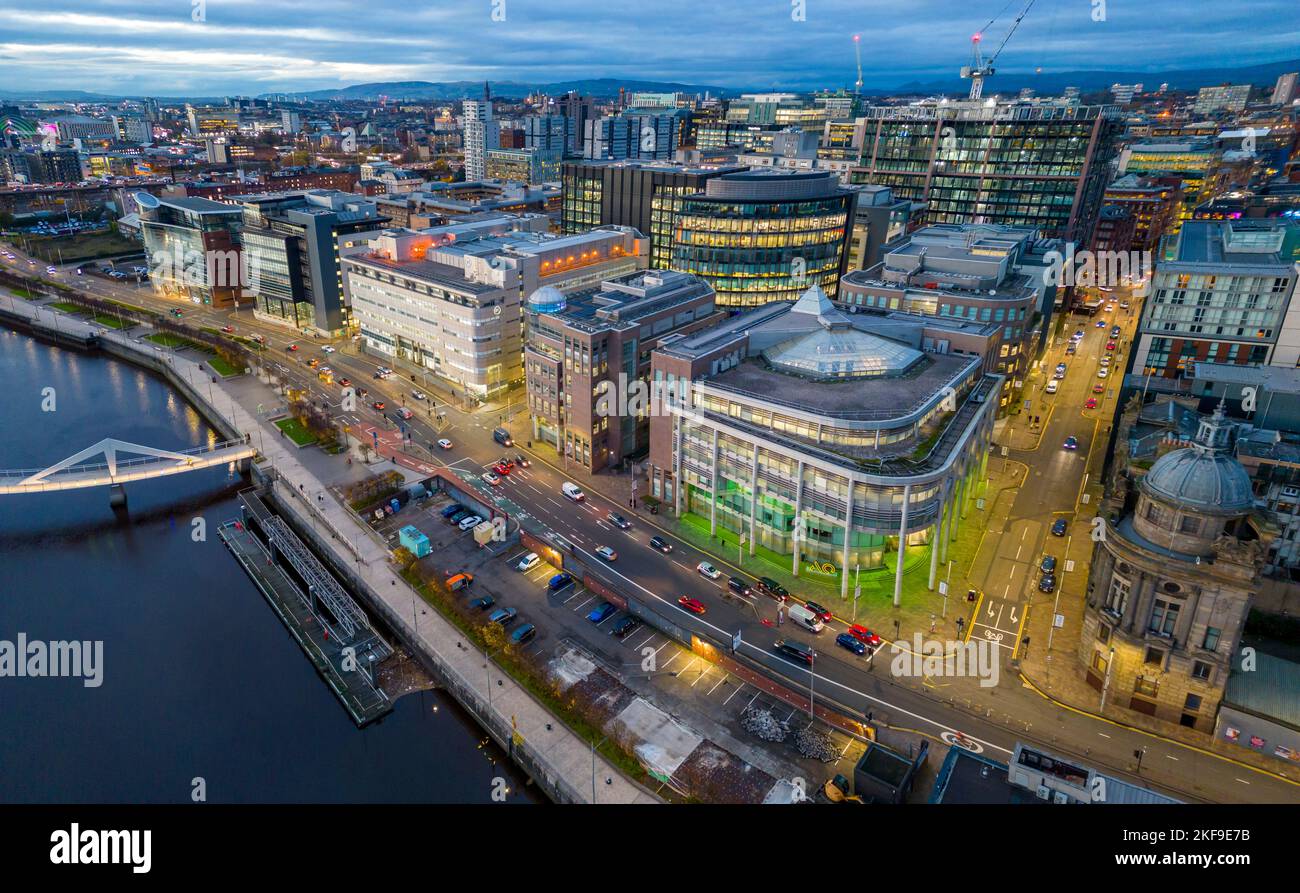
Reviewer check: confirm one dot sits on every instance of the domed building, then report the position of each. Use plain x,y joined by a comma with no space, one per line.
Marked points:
1171,584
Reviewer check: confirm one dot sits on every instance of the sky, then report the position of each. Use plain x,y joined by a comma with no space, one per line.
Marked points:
248,47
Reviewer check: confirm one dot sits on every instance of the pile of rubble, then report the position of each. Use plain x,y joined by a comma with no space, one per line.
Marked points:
763,724
815,745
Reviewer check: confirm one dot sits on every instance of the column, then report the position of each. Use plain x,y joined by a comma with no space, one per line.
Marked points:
797,537
902,547
753,498
848,538
713,503
935,536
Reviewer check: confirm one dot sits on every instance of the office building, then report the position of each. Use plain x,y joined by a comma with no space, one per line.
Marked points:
193,250
1195,161
760,236
211,121
634,134
1033,775
530,166
577,111
294,239
1220,293
1115,232
82,127
1286,89
830,438
586,350
1155,204
46,166
449,299
132,129
549,133
482,134
643,195
1044,166
1171,582
879,223
982,274
438,203
1224,98
1124,93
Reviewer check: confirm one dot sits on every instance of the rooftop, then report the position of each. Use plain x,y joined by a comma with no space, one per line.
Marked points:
1268,691
1245,244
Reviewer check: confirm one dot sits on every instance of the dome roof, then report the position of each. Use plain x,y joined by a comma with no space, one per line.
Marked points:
841,353
547,299
1201,478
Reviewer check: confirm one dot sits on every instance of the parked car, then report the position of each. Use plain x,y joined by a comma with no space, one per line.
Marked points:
770,587
1047,583
1090,403
606,553
601,612
1048,564
483,603
1059,526
457,582
822,614
625,627
529,561
707,570
523,634
844,640
658,542
694,605
1103,372
503,616
1110,345
470,522
618,520
1099,388
559,581
459,515
864,635
739,586
452,509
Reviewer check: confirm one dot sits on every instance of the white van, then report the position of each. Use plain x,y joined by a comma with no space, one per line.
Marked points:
805,618
573,491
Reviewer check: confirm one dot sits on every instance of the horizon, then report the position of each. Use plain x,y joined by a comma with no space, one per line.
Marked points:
133,47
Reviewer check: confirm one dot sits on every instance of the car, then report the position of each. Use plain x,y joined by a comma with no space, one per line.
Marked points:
1110,345
694,605
601,612
625,627
379,405
739,586
1060,367
362,392
559,581
345,382
1114,331
50,270
176,313
470,522
457,582
291,348
705,569
483,603
1078,335
404,413
1052,387
459,515
1100,324
1048,564
1090,403
229,330
1071,443
822,614
491,478
1070,349
844,640
503,616
864,635
1105,361
522,461
1103,372
606,553
1047,583
770,587
1059,527
500,469
523,634
418,396
1123,305
1099,388
793,650
528,562
327,349
618,521
658,542
452,509
444,443
572,491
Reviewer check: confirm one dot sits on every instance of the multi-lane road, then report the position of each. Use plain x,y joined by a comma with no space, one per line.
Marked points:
1054,487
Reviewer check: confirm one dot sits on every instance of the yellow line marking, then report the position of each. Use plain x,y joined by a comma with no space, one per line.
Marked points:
1020,632
970,627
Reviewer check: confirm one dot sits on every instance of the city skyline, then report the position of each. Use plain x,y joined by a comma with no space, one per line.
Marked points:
212,47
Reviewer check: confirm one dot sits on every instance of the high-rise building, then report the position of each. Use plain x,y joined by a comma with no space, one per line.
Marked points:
132,129
1286,89
1223,98
47,166
1154,202
587,351
294,241
193,249
1039,165
482,134
1124,93
531,166
643,195
1220,293
633,134
546,132
760,236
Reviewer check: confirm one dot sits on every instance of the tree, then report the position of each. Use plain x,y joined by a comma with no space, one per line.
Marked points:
403,557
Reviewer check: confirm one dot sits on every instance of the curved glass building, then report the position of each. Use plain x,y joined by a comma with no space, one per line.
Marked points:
761,236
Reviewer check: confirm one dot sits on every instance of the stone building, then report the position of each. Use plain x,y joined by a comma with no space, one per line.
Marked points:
1172,580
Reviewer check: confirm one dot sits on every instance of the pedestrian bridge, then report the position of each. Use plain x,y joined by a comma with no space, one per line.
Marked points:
102,465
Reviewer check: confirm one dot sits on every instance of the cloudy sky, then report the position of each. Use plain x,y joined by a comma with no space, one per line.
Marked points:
256,46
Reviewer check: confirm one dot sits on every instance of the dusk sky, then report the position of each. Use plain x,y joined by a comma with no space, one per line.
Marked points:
256,46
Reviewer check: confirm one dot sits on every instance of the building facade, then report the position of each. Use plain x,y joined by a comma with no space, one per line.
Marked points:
482,134
193,250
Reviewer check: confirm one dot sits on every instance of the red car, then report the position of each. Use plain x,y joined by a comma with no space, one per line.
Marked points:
821,613
1110,345
379,405
501,469
694,605
229,330
1091,404
292,347
344,382
864,635
1098,388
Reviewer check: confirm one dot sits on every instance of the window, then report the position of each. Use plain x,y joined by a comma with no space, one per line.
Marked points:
1201,670
1103,633
1189,525
1155,657
1164,617
1212,634
1117,598
1147,686
1193,702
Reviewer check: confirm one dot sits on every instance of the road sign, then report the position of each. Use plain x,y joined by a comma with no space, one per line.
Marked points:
1069,565
943,587
1004,450
1058,620
1087,498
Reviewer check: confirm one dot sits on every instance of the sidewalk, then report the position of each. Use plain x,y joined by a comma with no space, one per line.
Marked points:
568,756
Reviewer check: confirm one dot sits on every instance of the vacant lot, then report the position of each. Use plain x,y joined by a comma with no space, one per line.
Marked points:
81,246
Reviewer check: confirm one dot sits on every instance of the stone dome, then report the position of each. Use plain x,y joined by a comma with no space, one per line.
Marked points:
1201,479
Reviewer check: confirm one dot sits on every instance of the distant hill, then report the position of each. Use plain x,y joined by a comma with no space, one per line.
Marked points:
506,89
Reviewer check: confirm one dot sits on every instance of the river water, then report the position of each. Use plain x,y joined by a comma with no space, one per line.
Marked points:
199,679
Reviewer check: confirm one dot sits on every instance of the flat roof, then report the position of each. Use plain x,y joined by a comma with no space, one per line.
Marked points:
1269,690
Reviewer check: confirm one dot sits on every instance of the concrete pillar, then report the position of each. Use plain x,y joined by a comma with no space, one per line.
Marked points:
902,545
936,537
753,499
848,538
954,528
966,487
797,538
713,503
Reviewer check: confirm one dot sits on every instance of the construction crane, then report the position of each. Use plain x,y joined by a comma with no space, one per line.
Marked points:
857,52
980,68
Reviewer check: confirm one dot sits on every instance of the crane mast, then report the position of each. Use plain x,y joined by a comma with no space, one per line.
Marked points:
857,53
980,68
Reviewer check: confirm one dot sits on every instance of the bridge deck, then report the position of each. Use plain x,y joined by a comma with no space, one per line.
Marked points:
99,474
363,700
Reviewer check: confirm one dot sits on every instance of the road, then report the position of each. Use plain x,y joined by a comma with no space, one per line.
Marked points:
994,720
